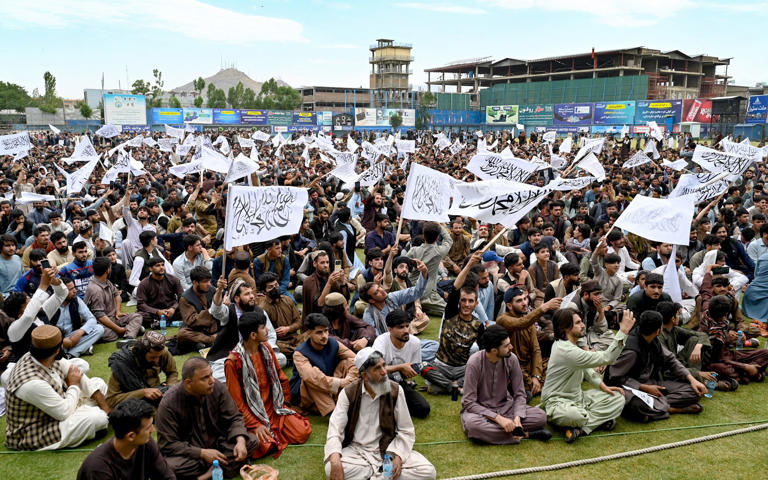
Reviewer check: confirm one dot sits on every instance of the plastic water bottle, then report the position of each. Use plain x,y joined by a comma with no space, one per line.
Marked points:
163,325
217,473
740,340
386,467
711,385
176,323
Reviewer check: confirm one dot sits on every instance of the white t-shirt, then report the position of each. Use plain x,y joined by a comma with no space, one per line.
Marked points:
410,353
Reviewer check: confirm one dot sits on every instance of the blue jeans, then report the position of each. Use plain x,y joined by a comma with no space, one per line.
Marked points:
86,341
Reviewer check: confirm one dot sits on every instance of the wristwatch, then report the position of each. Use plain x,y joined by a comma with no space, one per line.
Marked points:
538,377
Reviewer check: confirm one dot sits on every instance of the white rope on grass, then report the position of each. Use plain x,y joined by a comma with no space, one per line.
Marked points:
615,456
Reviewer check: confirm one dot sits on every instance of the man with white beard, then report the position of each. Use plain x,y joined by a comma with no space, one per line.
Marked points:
370,421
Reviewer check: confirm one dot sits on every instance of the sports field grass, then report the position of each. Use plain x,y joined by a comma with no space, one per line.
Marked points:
441,439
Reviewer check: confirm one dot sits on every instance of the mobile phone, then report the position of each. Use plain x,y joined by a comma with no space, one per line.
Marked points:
337,265
720,271
45,263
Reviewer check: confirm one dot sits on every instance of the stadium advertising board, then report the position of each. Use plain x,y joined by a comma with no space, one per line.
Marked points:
535,115
614,113
501,114
658,111
125,109
573,114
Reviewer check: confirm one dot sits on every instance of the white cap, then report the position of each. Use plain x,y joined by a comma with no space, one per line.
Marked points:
362,356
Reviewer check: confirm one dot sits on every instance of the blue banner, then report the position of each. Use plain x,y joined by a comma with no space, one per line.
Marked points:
614,113
167,116
757,109
658,111
573,114
226,117
253,117
304,118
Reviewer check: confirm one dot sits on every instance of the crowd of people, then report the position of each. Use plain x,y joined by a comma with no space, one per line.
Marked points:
530,312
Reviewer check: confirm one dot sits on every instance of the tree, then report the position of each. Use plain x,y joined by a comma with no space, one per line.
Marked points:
249,99
174,102
219,99
395,121
235,95
140,87
157,89
13,97
50,88
210,94
85,110
199,101
427,100
198,85
274,96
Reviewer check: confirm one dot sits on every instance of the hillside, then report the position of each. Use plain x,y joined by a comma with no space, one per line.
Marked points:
227,78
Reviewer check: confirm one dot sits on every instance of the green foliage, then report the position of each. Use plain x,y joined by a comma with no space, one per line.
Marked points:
395,120
199,101
140,87
47,108
13,97
274,96
50,88
216,97
427,100
198,85
156,94
85,110
174,102
235,95
249,99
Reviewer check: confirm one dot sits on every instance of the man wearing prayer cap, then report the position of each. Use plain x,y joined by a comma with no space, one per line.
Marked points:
370,421
51,403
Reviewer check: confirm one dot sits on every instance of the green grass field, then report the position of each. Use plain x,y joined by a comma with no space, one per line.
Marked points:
441,439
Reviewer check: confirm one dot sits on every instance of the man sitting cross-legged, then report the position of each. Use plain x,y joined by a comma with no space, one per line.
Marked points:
494,406
261,390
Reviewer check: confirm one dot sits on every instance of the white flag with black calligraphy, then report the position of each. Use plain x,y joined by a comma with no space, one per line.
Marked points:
488,166
456,147
77,179
639,158
346,158
108,131
352,145
376,172
721,162
677,165
258,214
345,172
549,137
496,201
700,185
427,194
405,146
84,152
557,162
260,136
568,184
442,143
650,148
245,142
659,219
744,149
166,144
241,167
591,145
149,141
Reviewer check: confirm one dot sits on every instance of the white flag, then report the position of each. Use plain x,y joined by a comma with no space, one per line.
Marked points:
352,146
743,149
257,214
213,160
660,220
108,131
550,136
175,132
224,148
166,144
637,159
149,141
456,147
241,167
14,143
54,129
77,179
427,194
346,158
136,141
677,165
20,155
591,145
566,145
593,166
655,131
245,142
106,233
672,279
698,185
260,136
496,201
442,143
84,152
650,147
182,150
32,197
377,171
568,184
557,162
305,156
345,172
720,162
405,146
491,165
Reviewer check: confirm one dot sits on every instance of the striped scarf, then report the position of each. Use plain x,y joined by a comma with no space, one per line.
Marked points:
251,383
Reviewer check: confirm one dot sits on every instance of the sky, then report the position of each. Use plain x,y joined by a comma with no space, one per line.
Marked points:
326,42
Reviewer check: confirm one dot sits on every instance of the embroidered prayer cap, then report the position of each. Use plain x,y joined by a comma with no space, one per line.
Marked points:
234,288
334,299
362,357
46,336
153,339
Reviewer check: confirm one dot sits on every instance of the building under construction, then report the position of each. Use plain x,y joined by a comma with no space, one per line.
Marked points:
629,74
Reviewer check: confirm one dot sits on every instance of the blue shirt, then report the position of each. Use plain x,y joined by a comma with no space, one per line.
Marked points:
80,273
10,271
